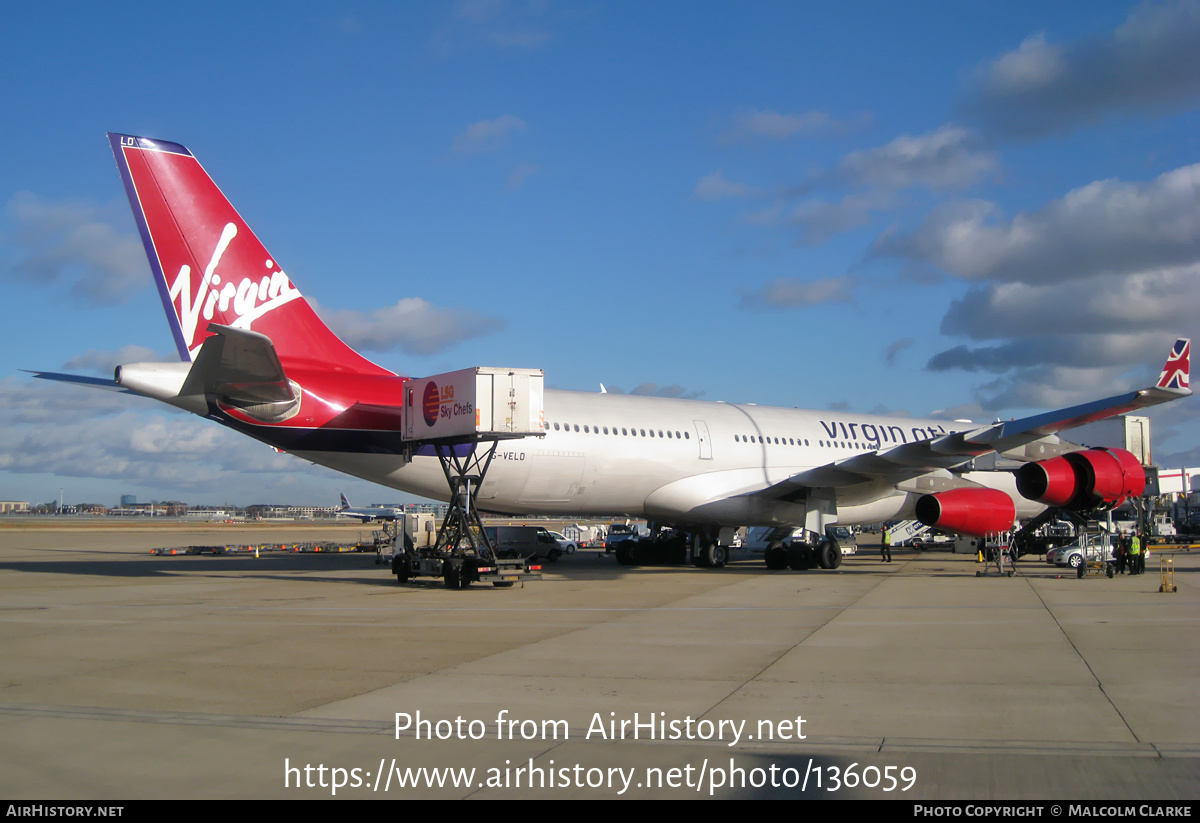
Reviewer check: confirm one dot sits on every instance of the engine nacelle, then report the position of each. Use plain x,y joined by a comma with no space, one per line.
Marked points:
1083,480
974,511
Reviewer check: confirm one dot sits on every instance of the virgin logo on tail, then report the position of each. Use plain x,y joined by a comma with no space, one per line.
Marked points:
238,305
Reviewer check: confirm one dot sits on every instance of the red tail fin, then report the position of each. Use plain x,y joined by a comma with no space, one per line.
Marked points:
209,266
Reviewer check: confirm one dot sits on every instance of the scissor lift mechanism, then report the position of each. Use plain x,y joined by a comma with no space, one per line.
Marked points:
476,409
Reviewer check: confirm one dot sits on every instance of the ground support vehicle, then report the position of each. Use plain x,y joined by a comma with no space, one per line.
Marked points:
461,554
618,533
530,542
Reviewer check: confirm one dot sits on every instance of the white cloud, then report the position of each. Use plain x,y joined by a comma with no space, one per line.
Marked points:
77,243
501,24
945,159
113,441
1108,226
518,176
895,348
1032,66
1157,299
787,292
413,325
754,124
104,362
818,220
1148,63
717,186
487,135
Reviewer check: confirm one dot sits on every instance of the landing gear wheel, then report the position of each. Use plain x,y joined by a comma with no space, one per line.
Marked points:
776,557
646,552
800,557
829,554
716,555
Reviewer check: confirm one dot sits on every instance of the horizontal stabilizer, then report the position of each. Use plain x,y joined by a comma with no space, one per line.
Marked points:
91,382
241,369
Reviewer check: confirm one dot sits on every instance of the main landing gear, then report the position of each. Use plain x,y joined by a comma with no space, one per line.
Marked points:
801,556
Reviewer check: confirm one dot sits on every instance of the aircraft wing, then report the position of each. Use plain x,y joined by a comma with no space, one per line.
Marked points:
1022,439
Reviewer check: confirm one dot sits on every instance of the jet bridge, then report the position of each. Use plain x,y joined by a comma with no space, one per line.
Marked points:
461,417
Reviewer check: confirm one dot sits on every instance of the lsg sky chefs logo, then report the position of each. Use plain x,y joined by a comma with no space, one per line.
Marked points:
438,403
432,402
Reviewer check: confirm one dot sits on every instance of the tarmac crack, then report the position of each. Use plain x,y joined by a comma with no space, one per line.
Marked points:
1083,659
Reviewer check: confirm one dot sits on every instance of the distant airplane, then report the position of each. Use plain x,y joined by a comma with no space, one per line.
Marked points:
368,513
256,358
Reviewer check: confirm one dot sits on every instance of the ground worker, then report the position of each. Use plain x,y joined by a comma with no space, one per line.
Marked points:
885,548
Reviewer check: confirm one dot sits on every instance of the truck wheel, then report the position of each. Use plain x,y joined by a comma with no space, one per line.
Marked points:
623,554
400,568
553,555
451,574
502,584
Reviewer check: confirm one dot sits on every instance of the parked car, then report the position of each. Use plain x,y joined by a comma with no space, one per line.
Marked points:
566,545
1072,554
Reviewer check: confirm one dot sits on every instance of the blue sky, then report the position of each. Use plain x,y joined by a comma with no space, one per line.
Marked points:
977,209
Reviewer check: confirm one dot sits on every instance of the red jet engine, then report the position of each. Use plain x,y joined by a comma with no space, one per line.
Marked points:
973,511
1083,480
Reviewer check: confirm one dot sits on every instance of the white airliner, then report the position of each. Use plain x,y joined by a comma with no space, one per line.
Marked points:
256,358
368,513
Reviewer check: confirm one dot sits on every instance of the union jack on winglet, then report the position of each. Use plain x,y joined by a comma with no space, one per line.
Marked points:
1175,372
